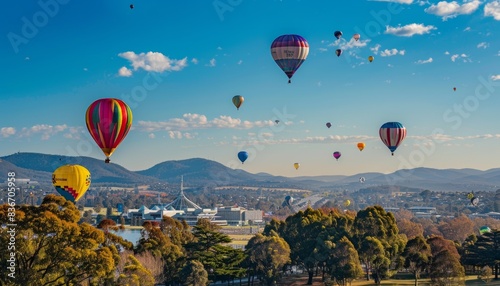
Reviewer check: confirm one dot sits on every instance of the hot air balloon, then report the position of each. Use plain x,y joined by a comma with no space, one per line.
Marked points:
356,37
289,52
337,34
361,146
370,59
328,124
337,155
338,52
392,134
108,121
347,203
131,6
470,195
289,200
484,229
362,180
296,165
243,156
276,121
71,181
238,101
454,89
474,201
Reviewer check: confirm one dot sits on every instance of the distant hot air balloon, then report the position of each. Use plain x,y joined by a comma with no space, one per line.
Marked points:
470,195
347,203
289,200
328,124
338,52
361,146
296,165
362,180
108,121
474,201
454,89
370,59
356,37
276,121
337,34
337,155
71,181
131,6
243,156
238,101
392,134
289,52
484,229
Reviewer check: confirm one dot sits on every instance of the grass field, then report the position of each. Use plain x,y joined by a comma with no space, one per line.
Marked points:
296,280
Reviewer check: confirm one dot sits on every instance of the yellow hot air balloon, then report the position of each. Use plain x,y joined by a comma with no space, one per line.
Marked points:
296,165
361,146
71,181
371,58
347,203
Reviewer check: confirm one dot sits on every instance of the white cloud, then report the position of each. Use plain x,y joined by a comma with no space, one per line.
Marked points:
85,69
219,48
483,45
7,131
464,57
395,1
467,29
124,71
409,30
153,62
492,9
420,62
323,49
194,61
392,52
180,135
191,121
446,53
212,63
45,130
152,135
73,133
493,77
452,9
375,48
240,62
27,58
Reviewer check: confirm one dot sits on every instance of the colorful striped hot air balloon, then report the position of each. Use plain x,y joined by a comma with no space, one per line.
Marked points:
238,101
392,134
108,121
289,52
71,181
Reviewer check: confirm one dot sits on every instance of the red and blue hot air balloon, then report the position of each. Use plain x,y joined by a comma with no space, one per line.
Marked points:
392,134
108,121
289,52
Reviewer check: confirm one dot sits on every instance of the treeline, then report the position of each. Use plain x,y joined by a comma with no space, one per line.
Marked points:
52,247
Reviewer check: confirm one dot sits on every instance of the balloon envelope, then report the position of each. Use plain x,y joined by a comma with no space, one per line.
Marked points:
289,200
337,154
474,201
296,165
392,134
71,181
108,121
238,101
361,146
338,52
484,229
337,34
356,37
289,52
362,179
243,156
328,124
371,58
347,203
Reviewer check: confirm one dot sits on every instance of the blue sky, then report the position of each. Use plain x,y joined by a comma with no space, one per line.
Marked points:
177,64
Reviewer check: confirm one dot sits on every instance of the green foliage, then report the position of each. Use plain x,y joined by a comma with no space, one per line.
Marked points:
135,274
417,255
194,274
343,262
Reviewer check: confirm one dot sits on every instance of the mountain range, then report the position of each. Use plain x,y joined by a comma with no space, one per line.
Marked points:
200,172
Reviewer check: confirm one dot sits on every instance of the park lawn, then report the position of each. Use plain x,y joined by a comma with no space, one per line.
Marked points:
300,280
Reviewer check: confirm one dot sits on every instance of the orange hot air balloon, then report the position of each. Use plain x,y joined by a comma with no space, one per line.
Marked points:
108,121
370,59
361,146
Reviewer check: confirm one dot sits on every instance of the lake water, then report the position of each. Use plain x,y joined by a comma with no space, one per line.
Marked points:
132,235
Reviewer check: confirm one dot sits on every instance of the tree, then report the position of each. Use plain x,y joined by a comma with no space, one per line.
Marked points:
135,274
51,248
417,256
483,250
267,255
409,228
194,274
457,229
344,262
446,269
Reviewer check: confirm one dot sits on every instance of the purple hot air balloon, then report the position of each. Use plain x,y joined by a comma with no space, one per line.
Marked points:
289,52
337,155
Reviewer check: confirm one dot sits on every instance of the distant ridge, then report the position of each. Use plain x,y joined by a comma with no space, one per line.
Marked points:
201,172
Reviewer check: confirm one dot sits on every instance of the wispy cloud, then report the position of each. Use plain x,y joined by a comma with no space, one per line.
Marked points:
45,130
191,121
463,57
180,135
7,131
375,48
194,61
492,9
452,9
392,52
483,45
495,77
421,62
409,30
152,62
212,63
